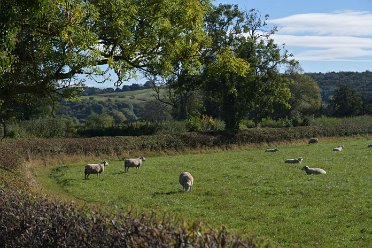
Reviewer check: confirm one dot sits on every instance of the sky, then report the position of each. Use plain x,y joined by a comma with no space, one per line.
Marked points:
323,35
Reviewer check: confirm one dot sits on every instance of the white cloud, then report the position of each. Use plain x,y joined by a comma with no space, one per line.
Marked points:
335,54
355,23
324,41
336,36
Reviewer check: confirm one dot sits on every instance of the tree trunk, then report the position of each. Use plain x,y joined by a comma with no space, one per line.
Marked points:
230,114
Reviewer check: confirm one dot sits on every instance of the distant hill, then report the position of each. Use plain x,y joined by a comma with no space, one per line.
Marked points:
132,104
328,82
132,97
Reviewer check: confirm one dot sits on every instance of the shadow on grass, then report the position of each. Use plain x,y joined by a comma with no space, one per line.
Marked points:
167,193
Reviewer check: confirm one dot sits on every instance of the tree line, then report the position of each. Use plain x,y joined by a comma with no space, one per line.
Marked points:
199,58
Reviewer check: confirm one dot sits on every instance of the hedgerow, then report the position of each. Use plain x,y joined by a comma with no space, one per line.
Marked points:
13,151
30,221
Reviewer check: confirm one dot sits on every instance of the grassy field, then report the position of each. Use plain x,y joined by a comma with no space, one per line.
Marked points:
133,97
248,191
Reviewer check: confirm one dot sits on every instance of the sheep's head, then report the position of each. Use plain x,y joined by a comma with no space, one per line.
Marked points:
300,159
305,168
143,158
105,163
188,187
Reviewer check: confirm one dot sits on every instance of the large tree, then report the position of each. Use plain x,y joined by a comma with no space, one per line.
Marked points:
46,44
243,65
306,98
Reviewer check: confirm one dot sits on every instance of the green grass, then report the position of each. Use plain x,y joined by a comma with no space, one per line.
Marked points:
133,97
249,191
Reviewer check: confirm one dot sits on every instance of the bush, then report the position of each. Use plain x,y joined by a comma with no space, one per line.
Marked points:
30,221
132,129
203,123
42,128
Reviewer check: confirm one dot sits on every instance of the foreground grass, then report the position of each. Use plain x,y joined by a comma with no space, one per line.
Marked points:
249,191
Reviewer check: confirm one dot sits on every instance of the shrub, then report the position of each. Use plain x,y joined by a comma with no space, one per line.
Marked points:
30,221
203,123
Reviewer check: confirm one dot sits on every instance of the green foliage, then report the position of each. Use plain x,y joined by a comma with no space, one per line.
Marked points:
33,221
161,142
131,129
346,102
42,128
203,123
258,196
47,43
99,121
329,82
242,66
305,95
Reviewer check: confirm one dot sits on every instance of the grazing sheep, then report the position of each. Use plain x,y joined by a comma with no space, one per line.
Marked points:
313,140
186,180
272,149
294,160
338,148
309,170
133,162
94,169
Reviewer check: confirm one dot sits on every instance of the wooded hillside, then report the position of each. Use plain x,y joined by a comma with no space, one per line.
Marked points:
328,82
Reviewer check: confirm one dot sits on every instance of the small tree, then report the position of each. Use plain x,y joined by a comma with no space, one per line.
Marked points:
346,102
99,121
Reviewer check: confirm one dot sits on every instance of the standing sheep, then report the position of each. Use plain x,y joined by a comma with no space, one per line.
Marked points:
186,180
313,140
94,169
309,170
294,160
338,148
133,162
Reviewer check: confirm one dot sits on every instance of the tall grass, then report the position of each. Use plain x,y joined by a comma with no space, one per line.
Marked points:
248,190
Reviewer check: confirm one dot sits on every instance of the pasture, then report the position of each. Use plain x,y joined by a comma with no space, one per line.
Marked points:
247,190
133,97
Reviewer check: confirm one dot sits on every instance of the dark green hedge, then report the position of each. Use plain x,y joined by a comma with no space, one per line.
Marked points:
13,151
27,221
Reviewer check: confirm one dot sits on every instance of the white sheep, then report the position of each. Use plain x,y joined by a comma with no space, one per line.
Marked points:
313,140
309,170
272,149
186,180
94,169
294,160
133,162
338,148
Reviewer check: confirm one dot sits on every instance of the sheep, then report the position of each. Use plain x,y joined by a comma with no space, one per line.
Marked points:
186,180
272,149
313,140
338,148
133,162
294,160
369,145
309,170
94,169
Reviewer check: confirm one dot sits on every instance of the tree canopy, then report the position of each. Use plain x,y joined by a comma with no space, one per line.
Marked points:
243,65
46,44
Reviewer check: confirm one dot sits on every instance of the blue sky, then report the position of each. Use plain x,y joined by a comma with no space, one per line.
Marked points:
323,35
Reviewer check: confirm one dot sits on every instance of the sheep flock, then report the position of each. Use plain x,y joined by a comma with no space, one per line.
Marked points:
186,179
